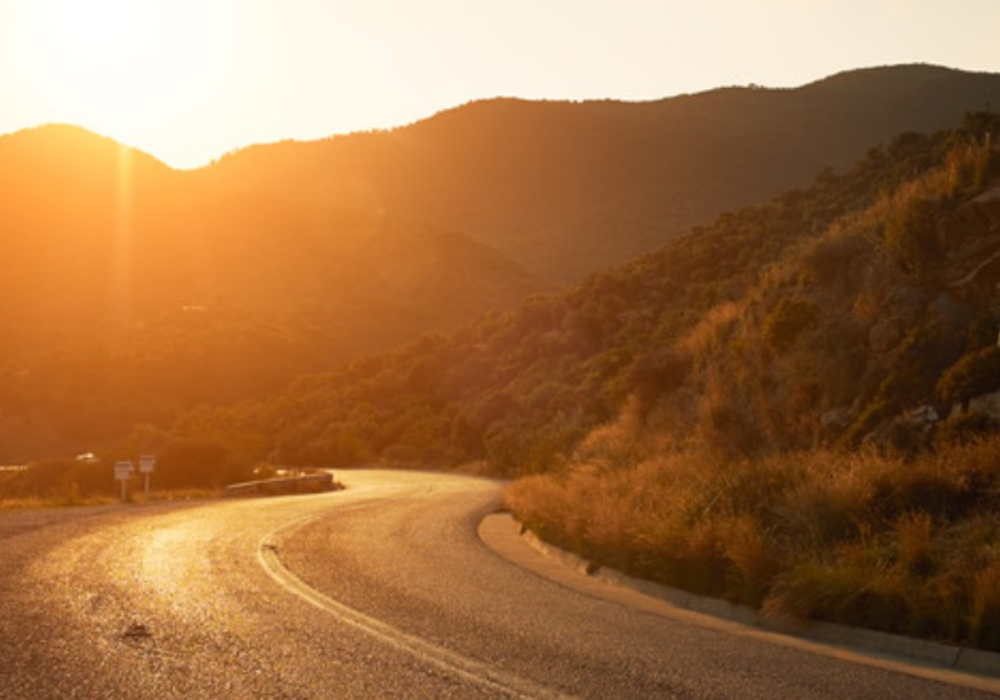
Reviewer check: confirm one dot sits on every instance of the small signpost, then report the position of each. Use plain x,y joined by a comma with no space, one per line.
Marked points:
123,472
147,465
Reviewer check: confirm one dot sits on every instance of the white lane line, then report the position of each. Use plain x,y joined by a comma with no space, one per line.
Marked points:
451,662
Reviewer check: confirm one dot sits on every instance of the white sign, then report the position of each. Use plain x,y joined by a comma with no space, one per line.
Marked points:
147,464
123,471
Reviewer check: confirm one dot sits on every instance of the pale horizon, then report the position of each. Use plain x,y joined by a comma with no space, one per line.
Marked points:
189,81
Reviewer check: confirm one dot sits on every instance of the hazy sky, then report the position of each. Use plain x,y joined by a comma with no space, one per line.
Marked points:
188,80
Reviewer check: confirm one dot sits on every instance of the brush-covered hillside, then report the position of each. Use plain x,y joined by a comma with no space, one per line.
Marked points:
821,317
132,291
565,189
795,407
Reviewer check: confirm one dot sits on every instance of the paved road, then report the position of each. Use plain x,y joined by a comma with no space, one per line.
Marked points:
380,591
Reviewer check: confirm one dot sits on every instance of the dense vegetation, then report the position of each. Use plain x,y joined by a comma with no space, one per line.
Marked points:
750,335
901,545
131,292
832,450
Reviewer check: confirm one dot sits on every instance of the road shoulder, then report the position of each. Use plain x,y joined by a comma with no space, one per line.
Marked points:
949,664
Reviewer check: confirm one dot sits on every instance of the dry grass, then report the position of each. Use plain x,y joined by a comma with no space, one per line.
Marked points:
54,501
71,498
904,546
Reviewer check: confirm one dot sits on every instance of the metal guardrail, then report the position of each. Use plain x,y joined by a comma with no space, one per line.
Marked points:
307,483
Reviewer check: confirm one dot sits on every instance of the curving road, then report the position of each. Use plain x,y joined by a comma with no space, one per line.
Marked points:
380,591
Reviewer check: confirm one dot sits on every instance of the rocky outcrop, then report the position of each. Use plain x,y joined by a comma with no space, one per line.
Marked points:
987,405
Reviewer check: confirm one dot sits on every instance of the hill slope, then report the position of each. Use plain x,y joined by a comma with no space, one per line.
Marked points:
565,189
794,408
131,290
815,318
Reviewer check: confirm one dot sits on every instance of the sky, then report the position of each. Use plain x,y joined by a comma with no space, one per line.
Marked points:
189,80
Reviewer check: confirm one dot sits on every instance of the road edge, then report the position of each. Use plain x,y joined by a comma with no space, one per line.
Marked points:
958,665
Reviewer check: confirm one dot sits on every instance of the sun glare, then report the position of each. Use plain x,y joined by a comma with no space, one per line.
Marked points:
106,63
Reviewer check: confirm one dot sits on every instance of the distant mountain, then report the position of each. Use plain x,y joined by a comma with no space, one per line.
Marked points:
132,290
565,189
94,233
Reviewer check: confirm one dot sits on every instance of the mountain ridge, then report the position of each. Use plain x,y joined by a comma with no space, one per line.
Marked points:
311,262
114,266
566,188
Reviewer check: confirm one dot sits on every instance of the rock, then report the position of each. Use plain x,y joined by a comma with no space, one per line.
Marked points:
925,414
987,404
840,417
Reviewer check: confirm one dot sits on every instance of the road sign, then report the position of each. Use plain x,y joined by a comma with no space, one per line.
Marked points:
123,470
147,464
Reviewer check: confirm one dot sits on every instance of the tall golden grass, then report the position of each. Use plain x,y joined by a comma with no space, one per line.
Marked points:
906,546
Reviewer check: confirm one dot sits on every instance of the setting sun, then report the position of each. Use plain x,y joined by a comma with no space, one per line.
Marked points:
116,63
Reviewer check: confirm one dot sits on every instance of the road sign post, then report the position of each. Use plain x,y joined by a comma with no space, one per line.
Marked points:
123,472
147,465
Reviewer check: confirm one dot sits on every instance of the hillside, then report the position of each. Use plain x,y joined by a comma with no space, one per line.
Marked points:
132,291
565,189
730,336
794,408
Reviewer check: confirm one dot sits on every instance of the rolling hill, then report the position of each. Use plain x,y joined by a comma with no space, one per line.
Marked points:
134,292
820,317
796,407
131,290
565,189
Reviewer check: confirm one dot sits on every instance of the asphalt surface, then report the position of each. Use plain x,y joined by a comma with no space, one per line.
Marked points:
381,591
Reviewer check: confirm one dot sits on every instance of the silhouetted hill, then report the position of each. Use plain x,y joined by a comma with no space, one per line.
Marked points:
131,290
566,188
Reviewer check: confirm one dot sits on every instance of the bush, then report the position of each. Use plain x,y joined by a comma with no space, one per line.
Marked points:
911,233
197,462
787,320
63,480
973,375
962,426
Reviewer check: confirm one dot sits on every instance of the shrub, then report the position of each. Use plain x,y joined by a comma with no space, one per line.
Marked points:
974,374
962,426
63,480
787,320
833,256
911,233
914,538
197,462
